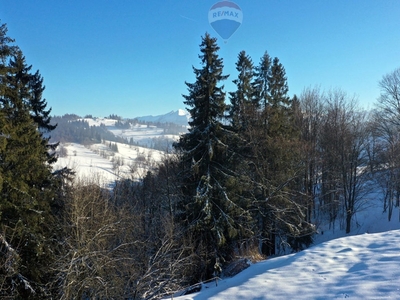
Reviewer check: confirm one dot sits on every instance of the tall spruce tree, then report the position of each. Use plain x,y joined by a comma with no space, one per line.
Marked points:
261,82
241,109
209,212
244,119
27,190
280,113
276,161
37,105
32,99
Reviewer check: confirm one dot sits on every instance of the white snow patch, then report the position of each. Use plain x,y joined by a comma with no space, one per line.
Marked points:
180,117
357,267
99,160
364,264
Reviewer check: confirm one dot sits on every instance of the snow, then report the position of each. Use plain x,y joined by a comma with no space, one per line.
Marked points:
100,121
182,112
357,267
364,264
143,134
97,160
140,133
180,117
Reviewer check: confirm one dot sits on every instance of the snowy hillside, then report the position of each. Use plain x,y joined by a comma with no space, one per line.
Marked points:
143,134
363,265
366,266
99,160
140,134
132,160
180,117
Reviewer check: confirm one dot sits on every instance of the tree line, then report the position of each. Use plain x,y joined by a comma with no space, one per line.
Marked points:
74,129
252,177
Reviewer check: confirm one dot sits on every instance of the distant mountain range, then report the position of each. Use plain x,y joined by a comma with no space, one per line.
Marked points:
180,117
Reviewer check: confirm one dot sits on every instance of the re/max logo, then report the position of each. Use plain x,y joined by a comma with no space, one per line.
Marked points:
226,14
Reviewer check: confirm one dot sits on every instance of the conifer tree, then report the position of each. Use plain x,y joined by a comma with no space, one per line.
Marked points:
280,104
37,105
261,82
27,190
241,110
208,210
32,99
276,158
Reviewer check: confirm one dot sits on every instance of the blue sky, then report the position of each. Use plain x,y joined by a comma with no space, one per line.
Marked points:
132,57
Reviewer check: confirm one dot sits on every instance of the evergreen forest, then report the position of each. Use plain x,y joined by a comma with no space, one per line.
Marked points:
248,179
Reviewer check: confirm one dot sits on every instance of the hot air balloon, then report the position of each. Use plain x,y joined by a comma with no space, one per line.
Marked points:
225,17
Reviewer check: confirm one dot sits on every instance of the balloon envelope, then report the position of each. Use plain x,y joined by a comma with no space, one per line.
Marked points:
225,17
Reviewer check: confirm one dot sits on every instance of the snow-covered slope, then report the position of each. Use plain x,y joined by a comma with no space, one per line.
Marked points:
140,133
108,166
130,161
365,266
180,117
143,134
361,265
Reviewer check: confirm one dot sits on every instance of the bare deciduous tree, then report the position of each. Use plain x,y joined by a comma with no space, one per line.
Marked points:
343,141
389,100
312,108
386,125
122,244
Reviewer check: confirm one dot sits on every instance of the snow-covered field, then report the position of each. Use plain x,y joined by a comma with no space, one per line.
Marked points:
357,267
130,161
364,264
143,134
140,133
100,161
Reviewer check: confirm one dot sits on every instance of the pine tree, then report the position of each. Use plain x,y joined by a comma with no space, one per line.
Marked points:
208,209
6,50
32,99
241,110
280,104
261,82
37,105
243,117
27,186
276,158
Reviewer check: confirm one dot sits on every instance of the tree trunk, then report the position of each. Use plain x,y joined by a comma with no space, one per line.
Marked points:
349,215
